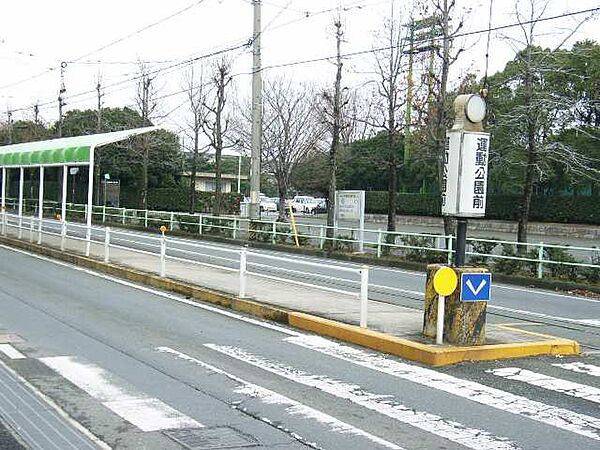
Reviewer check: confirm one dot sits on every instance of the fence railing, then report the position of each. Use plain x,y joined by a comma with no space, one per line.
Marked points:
303,272
535,259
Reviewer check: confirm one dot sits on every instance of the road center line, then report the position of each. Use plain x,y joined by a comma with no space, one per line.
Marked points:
469,437
505,401
292,406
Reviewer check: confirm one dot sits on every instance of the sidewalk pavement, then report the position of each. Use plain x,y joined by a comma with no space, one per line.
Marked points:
341,312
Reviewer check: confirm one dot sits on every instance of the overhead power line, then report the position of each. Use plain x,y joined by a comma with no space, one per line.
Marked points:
110,44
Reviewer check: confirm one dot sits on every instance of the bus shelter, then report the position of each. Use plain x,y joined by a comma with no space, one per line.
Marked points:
60,153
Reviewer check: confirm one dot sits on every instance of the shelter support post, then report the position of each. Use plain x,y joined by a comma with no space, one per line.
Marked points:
20,210
90,199
63,198
4,189
41,205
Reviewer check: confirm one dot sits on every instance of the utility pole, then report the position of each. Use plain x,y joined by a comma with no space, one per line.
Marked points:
254,210
98,130
10,126
36,113
409,93
61,97
336,128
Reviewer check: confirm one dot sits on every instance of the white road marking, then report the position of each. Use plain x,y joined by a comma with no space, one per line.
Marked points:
580,368
292,406
11,352
382,404
547,382
505,401
148,414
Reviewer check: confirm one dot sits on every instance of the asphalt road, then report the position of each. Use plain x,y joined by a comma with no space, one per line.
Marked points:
554,313
142,369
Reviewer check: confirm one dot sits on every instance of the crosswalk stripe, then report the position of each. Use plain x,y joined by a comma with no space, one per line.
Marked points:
547,382
580,367
146,413
11,352
469,437
292,406
495,398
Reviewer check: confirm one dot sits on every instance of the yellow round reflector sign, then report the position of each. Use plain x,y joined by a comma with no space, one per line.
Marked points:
163,228
445,281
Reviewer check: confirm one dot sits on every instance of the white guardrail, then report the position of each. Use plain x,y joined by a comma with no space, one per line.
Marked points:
165,248
537,258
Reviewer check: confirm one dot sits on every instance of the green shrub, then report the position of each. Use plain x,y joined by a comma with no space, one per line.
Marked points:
188,223
559,270
592,274
418,254
484,248
500,207
178,199
516,267
217,227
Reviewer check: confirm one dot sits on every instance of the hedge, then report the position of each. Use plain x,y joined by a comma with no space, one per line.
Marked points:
178,199
501,207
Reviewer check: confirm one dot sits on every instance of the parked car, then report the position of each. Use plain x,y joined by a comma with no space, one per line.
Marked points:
267,204
305,204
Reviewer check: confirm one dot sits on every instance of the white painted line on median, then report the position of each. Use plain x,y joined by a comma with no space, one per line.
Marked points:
11,352
580,367
577,390
469,437
587,322
505,401
148,414
292,406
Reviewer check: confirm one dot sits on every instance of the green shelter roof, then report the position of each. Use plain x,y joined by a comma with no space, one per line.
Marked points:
71,150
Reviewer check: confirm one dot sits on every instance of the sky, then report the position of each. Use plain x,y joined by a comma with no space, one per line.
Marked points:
108,39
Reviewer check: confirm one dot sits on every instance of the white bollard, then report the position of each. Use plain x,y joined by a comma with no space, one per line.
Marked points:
163,255
3,223
439,335
40,225
63,235
364,295
243,256
107,244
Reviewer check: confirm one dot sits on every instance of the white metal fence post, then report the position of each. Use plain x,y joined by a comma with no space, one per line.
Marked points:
274,233
364,295
449,240
146,218
123,220
321,237
379,243
63,235
540,267
103,213
163,255
199,223
243,257
3,222
234,234
171,221
107,244
31,229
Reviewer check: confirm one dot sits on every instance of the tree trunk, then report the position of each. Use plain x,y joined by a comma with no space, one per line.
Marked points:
392,185
194,171
282,191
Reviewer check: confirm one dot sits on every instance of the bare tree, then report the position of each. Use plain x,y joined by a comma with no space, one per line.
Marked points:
196,98
390,67
216,122
146,103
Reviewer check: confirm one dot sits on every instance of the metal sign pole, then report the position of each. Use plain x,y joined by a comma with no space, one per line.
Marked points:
461,241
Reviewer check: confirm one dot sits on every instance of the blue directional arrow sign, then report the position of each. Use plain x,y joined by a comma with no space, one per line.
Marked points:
475,287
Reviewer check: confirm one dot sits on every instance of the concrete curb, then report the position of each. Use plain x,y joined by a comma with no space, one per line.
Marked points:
415,351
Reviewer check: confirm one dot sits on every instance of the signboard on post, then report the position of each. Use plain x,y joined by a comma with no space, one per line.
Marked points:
464,182
350,205
475,287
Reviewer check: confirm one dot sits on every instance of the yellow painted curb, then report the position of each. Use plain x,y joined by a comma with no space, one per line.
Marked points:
429,354
415,351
